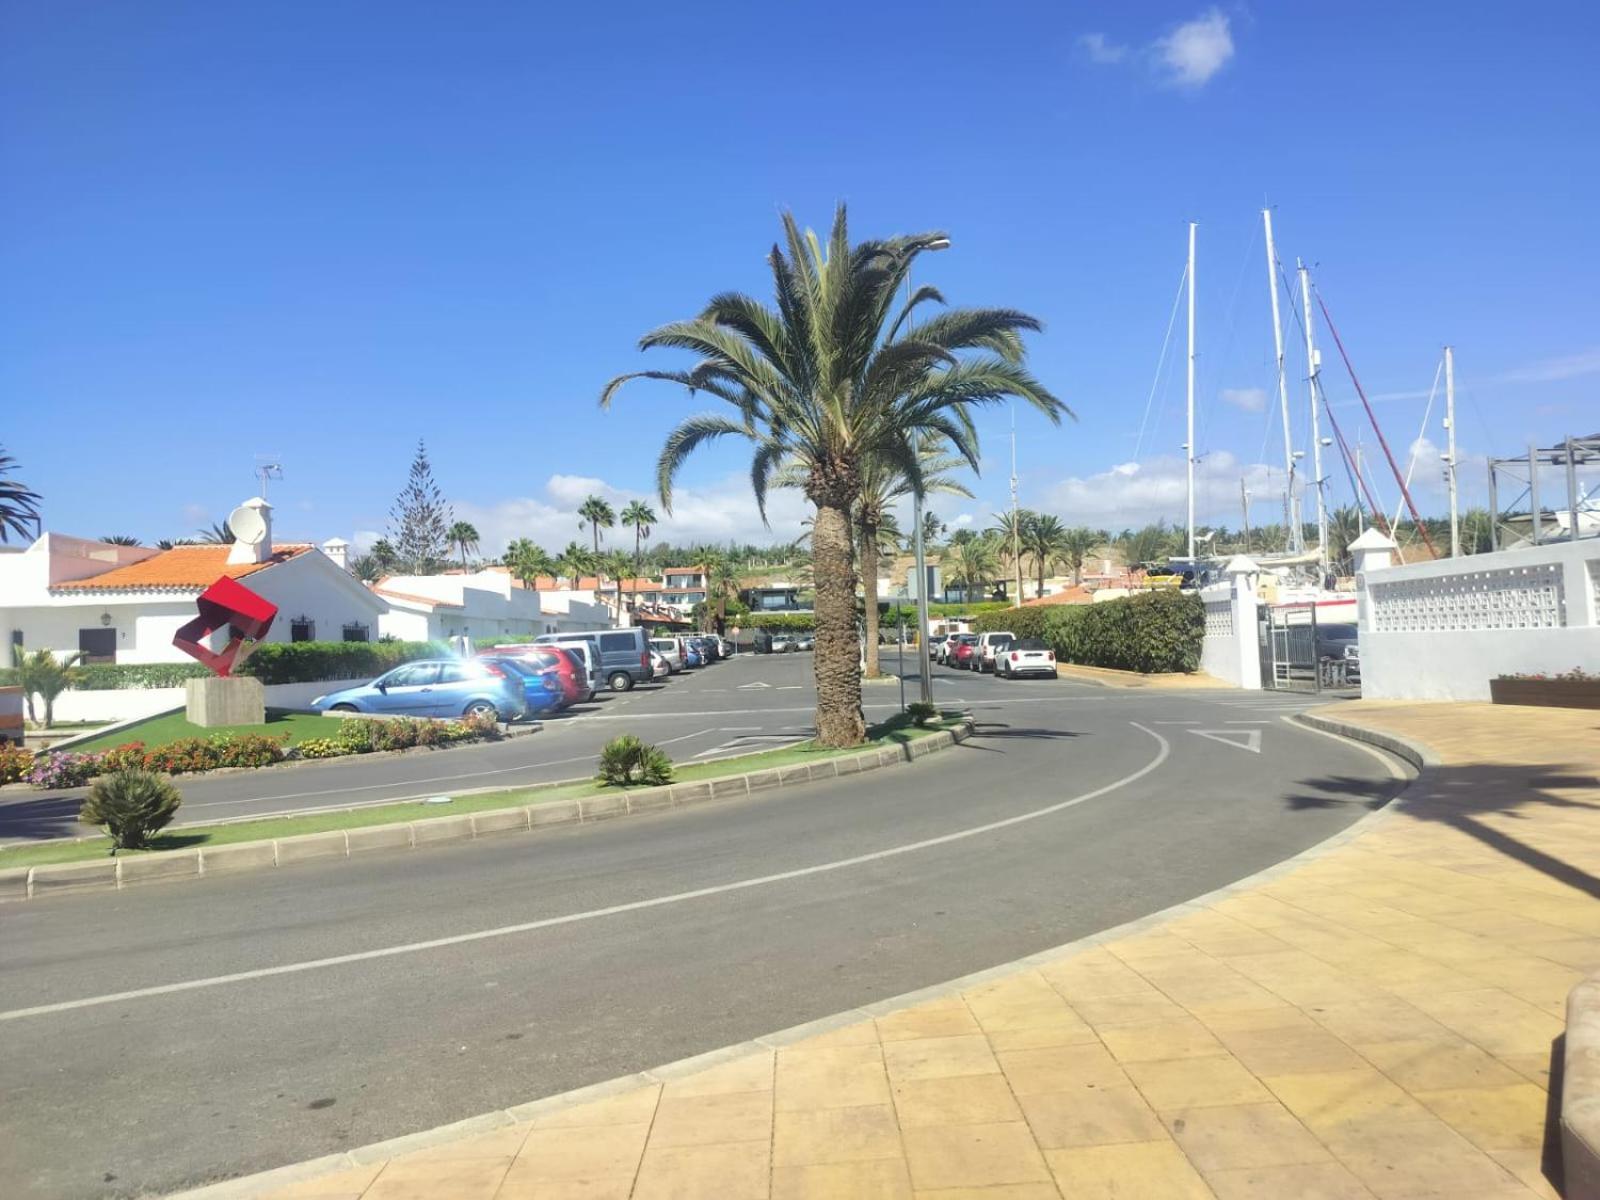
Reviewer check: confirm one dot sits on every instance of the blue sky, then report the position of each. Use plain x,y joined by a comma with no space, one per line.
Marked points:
319,232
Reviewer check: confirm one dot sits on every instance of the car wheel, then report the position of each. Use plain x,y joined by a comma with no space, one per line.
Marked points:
621,681
344,708
481,708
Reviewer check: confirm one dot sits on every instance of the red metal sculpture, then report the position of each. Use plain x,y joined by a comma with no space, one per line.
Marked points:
247,616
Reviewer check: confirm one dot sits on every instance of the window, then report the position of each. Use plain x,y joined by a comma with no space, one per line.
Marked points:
303,629
355,631
617,641
459,672
98,645
416,675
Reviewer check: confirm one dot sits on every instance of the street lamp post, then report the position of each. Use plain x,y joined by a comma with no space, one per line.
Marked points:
924,663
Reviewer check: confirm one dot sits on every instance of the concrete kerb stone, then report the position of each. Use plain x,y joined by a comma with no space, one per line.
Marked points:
26,883
1580,1093
270,1181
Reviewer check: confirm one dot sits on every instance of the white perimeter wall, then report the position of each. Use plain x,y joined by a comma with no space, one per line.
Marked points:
128,704
1442,630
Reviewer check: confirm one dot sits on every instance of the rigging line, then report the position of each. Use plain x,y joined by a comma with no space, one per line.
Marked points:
1422,433
1372,507
1376,428
1160,362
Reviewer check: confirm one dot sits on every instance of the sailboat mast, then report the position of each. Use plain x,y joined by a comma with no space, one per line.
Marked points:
1296,533
1450,453
1188,446
1313,366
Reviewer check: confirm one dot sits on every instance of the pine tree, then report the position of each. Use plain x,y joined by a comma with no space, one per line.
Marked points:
419,522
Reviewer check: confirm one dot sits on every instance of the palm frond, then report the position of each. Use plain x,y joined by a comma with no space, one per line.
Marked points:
690,434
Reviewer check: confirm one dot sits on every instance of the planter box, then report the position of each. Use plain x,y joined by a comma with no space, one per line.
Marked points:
1546,693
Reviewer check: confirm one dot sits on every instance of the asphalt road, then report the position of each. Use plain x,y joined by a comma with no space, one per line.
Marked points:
745,703
484,975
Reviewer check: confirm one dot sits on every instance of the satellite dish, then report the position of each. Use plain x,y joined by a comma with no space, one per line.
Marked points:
247,525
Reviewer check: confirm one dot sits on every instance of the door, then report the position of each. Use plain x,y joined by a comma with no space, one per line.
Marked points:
457,683
408,690
98,645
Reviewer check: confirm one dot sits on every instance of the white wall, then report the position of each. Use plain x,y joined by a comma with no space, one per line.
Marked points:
1231,649
128,704
1441,630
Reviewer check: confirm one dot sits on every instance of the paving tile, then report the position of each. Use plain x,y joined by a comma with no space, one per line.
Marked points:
1410,1158
467,1179
1065,1029
1006,1191
1242,1135
1092,979
1428,1065
942,1018
523,1186
835,1135
752,1073
1155,1041
628,1108
1296,1050
1493,1118
973,1156
967,1100
351,1181
1379,1021
504,1142
1194,1082
1091,1117
1329,1101
860,1033
939,1058
591,1152
1138,1171
1529,1168
1128,1010
848,1076
1060,1069
843,1181
707,1120
738,1171
1304,1181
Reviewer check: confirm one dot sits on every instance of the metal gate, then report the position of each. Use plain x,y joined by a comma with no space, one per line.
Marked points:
1288,640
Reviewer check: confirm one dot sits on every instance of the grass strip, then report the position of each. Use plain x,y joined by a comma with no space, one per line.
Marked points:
895,731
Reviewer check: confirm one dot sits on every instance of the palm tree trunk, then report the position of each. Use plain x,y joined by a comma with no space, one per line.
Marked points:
869,588
1040,592
838,672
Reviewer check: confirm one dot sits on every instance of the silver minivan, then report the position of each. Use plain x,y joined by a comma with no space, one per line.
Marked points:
624,655
671,649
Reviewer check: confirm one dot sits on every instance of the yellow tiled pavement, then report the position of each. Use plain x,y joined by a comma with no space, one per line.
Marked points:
1377,1021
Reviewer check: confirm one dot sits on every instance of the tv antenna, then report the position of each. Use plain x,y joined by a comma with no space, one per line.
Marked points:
266,471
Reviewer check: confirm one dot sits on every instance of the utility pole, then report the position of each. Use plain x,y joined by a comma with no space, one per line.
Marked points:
1244,506
1314,366
1296,534
1450,453
1188,446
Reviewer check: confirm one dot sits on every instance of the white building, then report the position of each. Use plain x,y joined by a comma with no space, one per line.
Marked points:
125,603
482,604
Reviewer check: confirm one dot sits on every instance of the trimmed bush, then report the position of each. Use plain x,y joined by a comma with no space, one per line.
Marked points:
130,805
306,662
1025,622
626,761
780,622
15,763
1153,632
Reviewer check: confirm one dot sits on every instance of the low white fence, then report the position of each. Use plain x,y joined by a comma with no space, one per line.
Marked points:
1441,630
127,704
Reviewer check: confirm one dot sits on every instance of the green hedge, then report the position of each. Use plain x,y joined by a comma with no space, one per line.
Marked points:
778,622
1154,632
111,677
304,662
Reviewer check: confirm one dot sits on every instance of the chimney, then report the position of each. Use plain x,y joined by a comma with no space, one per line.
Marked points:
251,524
339,550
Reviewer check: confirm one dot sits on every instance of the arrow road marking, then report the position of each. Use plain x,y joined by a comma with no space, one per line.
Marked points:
1230,737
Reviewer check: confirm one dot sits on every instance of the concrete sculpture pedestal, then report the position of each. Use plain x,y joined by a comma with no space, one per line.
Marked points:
226,700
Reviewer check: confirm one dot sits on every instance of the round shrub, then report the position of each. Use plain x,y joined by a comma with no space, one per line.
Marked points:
358,734
15,763
626,761
250,749
128,756
131,806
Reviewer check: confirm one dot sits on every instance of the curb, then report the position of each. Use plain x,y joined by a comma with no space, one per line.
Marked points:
279,1177
31,883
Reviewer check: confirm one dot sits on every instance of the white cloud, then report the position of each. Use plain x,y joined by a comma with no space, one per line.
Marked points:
1133,494
1102,49
1196,50
719,512
1550,370
1249,399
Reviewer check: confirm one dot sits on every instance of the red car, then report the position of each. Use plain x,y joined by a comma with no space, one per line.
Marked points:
569,668
965,656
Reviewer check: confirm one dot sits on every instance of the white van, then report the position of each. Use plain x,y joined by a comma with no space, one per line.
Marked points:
983,659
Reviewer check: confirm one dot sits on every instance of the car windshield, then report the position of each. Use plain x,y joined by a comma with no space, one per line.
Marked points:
968,639
1339,633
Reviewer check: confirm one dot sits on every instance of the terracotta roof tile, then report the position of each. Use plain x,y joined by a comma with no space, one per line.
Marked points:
1073,595
412,598
183,568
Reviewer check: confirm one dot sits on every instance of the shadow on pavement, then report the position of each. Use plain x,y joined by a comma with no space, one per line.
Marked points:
44,817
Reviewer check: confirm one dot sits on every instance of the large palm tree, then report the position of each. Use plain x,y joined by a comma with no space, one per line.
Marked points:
528,561
464,537
596,514
19,504
1010,529
722,582
1044,539
972,563
828,379
639,517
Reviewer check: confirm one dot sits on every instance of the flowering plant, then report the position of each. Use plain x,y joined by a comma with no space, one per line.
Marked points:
1576,675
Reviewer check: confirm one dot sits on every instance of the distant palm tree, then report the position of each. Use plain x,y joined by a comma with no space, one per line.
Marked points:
367,568
638,516
574,561
597,515
43,674
19,504
121,539
722,583
972,563
384,553
217,534
1075,548
170,543
1044,538
1010,531
617,564
464,538
528,561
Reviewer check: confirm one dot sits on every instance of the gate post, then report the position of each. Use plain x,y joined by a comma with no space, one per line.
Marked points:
1243,572
1372,551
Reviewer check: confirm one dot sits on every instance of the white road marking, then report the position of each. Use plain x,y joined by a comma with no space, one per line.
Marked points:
1228,737
481,935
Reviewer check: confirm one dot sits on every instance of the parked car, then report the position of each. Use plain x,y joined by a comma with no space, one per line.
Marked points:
571,663
691,654
1334,640
988,643
1339,654
671,649
448,687
658,663
945,647
784,643
726,646
541,684
805,641
624,654
962,656
709,650
1025,656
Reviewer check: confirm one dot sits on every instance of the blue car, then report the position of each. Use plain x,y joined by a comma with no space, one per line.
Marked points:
692,657
541,685
449,687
